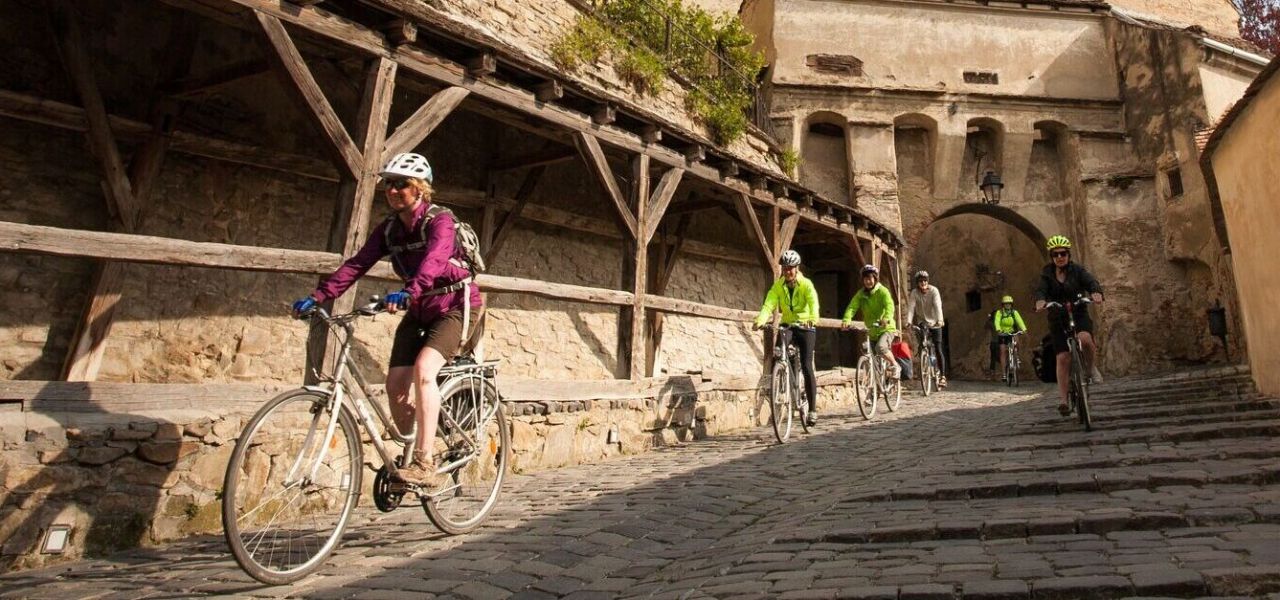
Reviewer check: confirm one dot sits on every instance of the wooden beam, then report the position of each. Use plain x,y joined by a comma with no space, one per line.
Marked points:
696,154
482,64
541,158
590,150
298,81
690,207
747,214
604,114
193,87
54,241
356,195
787,232
423,121
75,57
548,91
651,134
503,230
660,201
400,31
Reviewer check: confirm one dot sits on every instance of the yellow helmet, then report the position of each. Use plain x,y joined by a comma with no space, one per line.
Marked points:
1058,241
1006,300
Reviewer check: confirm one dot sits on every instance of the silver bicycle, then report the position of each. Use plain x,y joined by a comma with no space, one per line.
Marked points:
872,381
295,475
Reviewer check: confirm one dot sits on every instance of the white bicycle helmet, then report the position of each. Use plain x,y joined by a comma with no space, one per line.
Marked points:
870,269
408,164
922,274
790,258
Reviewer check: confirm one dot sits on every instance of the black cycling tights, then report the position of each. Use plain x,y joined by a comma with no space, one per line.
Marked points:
805,340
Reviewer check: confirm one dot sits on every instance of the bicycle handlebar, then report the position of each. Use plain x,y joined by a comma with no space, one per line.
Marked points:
375,306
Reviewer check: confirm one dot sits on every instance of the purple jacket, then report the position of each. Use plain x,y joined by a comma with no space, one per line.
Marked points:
431,265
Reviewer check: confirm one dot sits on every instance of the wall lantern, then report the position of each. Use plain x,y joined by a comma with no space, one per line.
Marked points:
991,187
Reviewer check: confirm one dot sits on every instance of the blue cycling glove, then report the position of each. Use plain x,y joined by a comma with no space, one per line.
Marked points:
304,305
398,299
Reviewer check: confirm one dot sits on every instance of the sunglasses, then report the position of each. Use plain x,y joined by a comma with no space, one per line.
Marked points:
398,184
1062,253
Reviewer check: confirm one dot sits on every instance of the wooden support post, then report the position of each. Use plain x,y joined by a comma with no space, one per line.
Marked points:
503,230
354,204
594,156
633,333
787,232
299,82
126,192
661,199
747,214
422,122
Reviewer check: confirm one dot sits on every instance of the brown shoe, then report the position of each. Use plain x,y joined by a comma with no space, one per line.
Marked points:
420,472
1064,410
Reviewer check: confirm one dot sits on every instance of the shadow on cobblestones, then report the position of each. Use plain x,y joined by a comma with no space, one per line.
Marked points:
978,490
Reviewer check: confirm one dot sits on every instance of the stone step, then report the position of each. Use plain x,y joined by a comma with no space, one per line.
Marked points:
1254,472
1104,422
1072,436
1248,449
1106,389
1207,408
1173,396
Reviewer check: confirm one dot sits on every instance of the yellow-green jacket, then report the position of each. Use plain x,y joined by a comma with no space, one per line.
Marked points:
876,306
797,304
1008,323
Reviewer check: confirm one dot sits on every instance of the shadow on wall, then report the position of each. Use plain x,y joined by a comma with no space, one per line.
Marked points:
115,479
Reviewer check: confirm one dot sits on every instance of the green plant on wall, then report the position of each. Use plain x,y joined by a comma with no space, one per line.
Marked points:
649,38
789,161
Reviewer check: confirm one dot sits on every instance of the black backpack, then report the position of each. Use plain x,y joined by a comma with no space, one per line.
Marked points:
466,244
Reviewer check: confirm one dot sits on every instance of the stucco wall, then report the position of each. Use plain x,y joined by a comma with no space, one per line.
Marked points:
1039,54
1218,16
1245,165
1222,87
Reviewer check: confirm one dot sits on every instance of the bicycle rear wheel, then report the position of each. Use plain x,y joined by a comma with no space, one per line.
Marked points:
780,401
864,389
482,445
283,508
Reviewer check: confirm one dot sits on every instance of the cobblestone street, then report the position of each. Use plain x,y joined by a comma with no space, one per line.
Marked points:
978,492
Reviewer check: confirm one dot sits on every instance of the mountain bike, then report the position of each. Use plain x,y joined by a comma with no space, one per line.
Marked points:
787,397
295,474
1078,380
872,382
930,371
1011,360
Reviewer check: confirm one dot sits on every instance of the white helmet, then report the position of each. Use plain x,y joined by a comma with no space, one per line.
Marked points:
790,258
407,164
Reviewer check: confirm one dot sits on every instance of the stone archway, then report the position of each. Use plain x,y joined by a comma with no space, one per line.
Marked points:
976,253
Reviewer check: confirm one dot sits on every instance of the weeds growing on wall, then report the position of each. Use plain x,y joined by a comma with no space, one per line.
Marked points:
649,38
789,160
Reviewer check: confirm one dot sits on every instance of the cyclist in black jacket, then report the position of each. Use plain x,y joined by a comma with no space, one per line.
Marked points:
1064,281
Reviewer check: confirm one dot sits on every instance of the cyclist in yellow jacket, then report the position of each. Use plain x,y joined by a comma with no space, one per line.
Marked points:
1007,322
876,304
794,296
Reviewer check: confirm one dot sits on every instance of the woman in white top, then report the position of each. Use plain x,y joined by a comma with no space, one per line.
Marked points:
929,301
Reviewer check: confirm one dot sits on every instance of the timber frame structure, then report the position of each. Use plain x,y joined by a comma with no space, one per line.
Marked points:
404,43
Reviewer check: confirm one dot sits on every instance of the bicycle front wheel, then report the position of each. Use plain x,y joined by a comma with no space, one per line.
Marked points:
481,448
1012,362
1081,392
891,387
864,389
927,368
780,401
290,487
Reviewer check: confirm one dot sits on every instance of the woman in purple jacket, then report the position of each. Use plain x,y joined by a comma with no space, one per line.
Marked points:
438,297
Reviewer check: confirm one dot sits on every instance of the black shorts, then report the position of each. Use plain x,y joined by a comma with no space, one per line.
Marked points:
1057,329
444,334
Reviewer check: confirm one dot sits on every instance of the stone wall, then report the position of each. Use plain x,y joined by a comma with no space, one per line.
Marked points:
124,478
